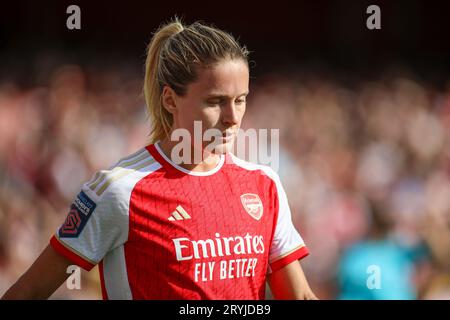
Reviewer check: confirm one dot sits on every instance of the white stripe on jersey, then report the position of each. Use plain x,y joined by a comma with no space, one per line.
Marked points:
100,175
126,166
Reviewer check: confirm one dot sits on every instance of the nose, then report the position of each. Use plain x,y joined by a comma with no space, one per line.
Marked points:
230,115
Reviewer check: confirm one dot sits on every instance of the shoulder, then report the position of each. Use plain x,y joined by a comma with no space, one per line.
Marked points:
117,182
260,169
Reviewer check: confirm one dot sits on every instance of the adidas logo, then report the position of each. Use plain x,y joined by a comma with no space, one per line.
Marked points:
179,214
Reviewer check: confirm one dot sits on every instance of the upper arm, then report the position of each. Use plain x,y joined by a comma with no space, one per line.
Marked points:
290,283
45,275
97,223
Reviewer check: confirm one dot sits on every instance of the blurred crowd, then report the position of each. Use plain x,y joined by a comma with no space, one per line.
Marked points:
365,163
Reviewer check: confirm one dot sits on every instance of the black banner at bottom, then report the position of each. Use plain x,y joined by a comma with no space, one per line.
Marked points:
180,310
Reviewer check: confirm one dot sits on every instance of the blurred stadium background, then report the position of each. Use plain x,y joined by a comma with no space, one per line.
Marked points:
364,119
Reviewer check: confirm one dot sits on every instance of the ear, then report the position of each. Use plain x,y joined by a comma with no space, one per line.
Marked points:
168,99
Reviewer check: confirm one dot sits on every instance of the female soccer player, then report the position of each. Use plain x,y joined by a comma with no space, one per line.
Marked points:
217,228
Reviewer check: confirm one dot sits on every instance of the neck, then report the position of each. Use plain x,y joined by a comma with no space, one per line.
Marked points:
206,162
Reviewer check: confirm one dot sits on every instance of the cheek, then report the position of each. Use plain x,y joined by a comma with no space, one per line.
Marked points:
210,116
242,110
187,113
241,113
190,112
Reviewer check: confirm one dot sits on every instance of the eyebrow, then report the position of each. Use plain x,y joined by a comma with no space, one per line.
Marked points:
221,96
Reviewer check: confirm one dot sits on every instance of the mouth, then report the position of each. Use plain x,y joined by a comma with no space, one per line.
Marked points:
228,136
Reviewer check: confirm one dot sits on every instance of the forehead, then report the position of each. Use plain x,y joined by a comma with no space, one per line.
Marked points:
229,77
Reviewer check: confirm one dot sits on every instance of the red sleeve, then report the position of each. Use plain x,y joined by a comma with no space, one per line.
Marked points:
70,254
284,260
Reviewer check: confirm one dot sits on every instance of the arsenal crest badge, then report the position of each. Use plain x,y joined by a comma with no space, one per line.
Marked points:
253,205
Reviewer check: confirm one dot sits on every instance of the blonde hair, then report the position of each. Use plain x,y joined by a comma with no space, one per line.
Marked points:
173,56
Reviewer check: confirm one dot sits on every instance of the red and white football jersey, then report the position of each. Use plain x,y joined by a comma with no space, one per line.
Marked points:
159,231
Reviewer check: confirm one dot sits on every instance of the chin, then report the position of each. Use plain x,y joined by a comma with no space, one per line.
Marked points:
223,148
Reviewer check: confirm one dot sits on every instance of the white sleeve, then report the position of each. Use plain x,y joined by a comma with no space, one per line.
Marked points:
94,225
287,244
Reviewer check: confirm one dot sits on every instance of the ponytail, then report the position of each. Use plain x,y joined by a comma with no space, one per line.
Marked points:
161,119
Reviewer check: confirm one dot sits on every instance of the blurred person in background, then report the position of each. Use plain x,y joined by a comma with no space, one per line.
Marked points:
382,266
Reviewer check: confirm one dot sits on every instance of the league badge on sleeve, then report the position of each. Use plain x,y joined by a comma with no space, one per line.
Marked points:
80,211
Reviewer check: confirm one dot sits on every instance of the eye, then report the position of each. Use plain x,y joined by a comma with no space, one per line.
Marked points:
213,102
240,101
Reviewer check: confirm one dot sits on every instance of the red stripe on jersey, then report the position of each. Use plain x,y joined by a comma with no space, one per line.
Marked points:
69,254
102,281
298,254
